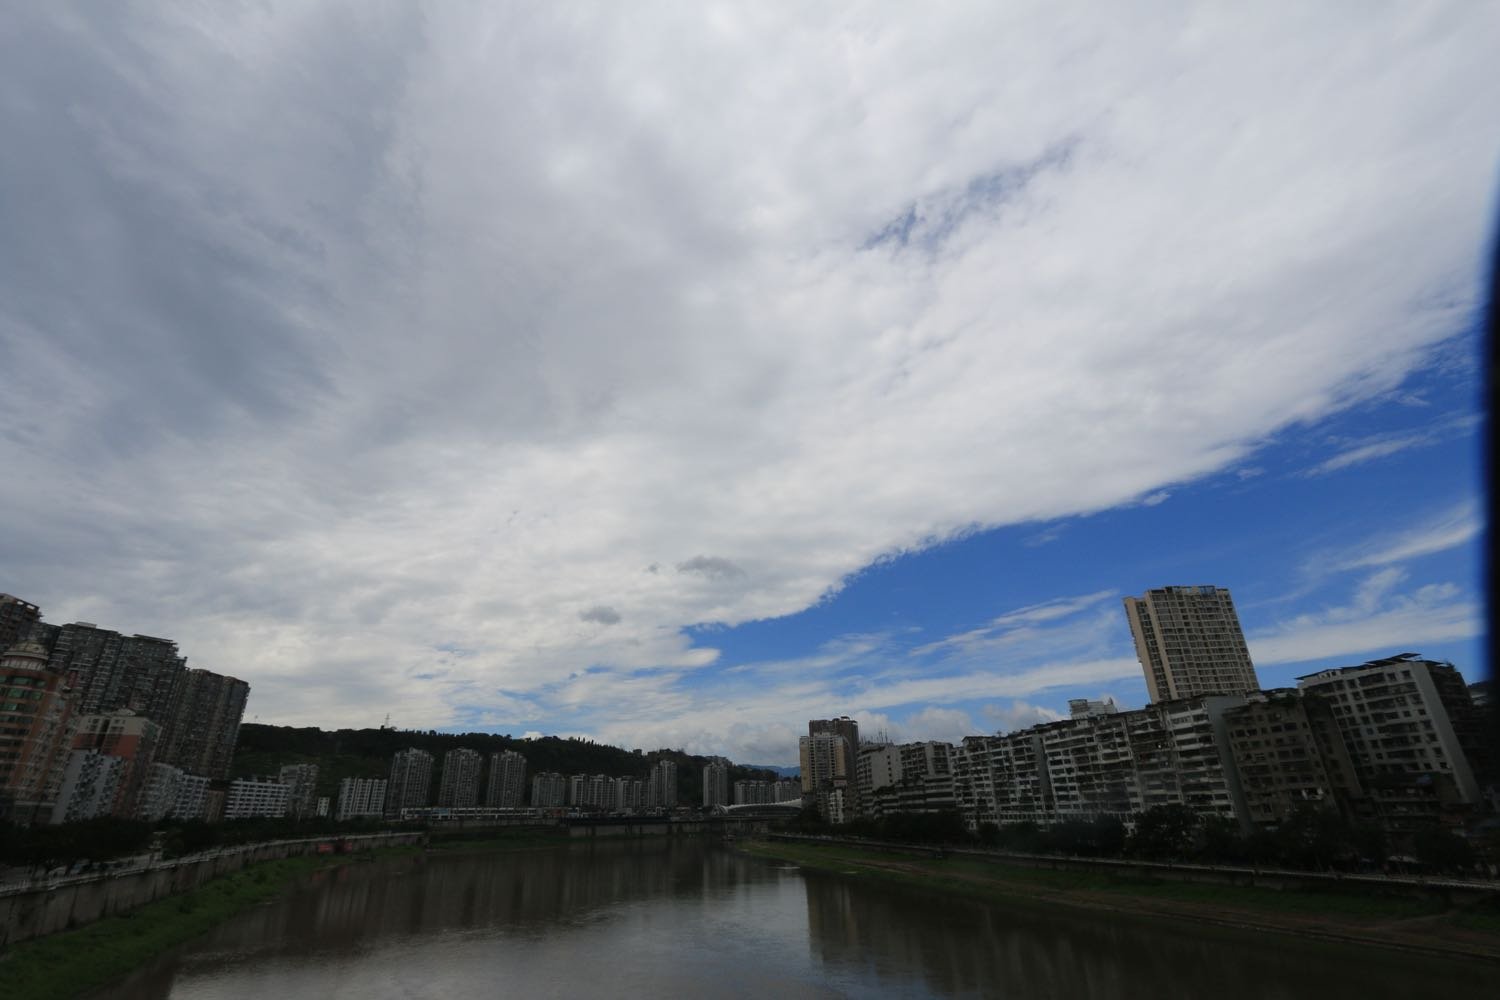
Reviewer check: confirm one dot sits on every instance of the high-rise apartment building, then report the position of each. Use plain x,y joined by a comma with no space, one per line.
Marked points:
1114,764
629,793
716,783
410,781
601,791
757,793
36,733
158,792
834,765
302,789
1189,643
591,791
459,787
910,778
192,799
250,797
16,619
360,798
204,723
824,760
144,679
134,739
507,784
829,764
111,671
661,785
81,650
843,727
89,787
1290,755
1411,731
1002,780
549,790
754,793
877,766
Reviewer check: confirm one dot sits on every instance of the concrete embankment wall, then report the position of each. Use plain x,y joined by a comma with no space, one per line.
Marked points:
31,912
661,827
1449,890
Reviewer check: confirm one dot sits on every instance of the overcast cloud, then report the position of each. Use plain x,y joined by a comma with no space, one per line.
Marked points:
404,361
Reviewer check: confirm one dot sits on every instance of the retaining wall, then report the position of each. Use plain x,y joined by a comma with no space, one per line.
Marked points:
33,911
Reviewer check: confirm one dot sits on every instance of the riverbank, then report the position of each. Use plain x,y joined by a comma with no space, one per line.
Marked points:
71,963
1419,925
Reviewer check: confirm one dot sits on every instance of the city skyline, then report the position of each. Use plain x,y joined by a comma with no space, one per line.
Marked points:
1197,614
598,394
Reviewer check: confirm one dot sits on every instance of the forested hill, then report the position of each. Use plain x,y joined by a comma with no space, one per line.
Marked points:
366,753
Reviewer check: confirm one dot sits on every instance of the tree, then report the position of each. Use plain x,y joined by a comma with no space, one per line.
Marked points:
1103,836
1369,843
1313,837
1219,840
1025,837
1107,834
1443,850
1164,832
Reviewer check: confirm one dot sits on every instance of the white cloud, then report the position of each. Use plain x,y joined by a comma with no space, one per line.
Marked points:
1369,452
946,724
352,336
1377,620
1018,715
1383,446
1035,631
1450,528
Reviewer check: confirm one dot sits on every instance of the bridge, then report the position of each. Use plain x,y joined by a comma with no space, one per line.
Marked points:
763,810
721,821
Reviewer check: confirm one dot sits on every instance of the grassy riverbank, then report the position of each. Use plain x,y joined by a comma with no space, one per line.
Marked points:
69,963
1424,924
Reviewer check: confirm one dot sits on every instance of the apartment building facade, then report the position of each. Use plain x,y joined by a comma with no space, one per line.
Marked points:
1190,643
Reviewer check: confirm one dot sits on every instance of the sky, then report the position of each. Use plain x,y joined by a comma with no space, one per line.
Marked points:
671,374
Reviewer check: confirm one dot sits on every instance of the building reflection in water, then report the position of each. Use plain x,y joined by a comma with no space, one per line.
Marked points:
361,907
656,917
967,948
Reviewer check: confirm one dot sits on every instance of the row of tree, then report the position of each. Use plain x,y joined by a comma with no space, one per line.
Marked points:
1311,839
98,842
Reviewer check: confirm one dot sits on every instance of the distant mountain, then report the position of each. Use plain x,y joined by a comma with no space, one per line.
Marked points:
785,772
366,753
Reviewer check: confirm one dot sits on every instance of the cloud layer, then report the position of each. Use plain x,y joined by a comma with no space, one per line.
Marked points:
410,362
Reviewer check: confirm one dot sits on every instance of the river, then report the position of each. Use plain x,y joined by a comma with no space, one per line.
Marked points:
664,918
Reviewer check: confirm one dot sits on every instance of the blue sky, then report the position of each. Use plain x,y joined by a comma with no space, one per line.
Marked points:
1344,539
673,374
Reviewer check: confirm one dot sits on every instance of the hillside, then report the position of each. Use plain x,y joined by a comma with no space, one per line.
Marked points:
366,753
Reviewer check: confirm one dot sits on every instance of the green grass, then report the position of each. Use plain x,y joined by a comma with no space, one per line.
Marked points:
72,962
991,880
69,963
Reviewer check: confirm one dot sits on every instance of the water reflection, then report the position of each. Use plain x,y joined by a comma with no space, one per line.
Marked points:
660,918
967,948
529,892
